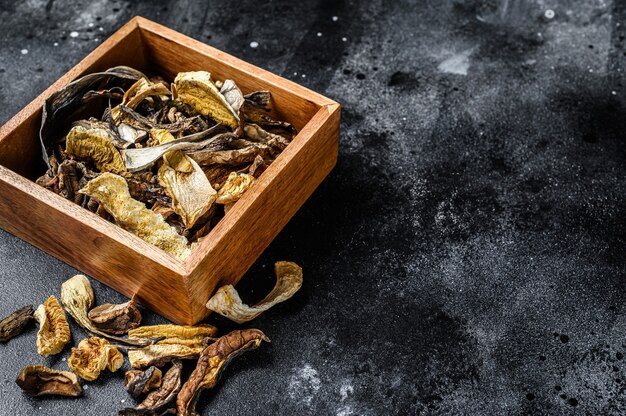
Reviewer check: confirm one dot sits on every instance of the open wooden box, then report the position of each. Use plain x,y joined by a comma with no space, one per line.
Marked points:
175,289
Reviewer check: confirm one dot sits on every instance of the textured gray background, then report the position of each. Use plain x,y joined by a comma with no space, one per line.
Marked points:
466,256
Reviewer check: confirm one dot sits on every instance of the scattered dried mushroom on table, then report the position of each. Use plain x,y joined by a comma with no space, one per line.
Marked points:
94,355
163,161
116,319
54,331
14,324
39,380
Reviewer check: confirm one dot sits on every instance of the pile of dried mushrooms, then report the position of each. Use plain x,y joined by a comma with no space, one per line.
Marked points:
163,161
155,353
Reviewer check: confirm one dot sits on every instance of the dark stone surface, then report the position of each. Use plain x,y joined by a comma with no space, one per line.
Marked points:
466,256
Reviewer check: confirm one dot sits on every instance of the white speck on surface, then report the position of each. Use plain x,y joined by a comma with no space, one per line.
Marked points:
335,18
295,73
304,384
344,39
39,407
96,40
101,29
123,400
549,14
85,387
303,75
319,34
91,24
403,118
614,92
74,34
63,359
254,44
24,51
56,44
458,63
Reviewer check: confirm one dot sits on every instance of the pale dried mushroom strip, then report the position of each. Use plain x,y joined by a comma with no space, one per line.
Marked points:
159,354
116,319
54,331
197,90
111,191
158,401
92,356
226,300
39,380
212,362
173,331
14,324
77,298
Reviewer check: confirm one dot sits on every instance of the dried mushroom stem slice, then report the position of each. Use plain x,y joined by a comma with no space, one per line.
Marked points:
54,331
14,324
159,354
158,401
77,298
39,380
95,145
227,302
197,90
116,319
234,187
139,382
173,331
112,192
212,362
92,356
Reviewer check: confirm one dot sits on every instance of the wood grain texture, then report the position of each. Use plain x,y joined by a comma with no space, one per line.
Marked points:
175,289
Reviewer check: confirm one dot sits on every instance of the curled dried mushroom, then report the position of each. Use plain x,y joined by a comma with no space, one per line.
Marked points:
39,380
139,382
212,362
54,331
14,324
158,402
116,319
226,300
92,356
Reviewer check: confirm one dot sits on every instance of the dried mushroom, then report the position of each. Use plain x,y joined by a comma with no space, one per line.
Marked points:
159,354
197,90
111,191
139,382
54,331
226,300
14,324
234,187
158,402
116,319
212,362
168,331
92,356
78,298
39,380
173,143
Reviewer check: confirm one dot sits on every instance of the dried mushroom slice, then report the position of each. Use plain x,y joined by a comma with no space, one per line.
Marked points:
111,191
54,331
173,331
95,145
159,354
14,324
234,187
78,298
159,401
139,382
92,356
116,319
39,380
226,300
197,90
232,94
212,362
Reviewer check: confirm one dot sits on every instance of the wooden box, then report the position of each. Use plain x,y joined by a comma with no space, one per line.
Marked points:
173,288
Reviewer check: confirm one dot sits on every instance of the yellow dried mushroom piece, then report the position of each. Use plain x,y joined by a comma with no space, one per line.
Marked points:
92,356
95,145
54,331
112,192
197,90
234,187
173,331
159,354
226,300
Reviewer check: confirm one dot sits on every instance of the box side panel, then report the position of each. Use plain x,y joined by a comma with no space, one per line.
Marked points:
240,238
93,251
171,55
20,150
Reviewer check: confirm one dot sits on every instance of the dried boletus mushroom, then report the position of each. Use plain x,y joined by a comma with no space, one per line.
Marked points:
54,331
39,380
14,324
159,402
92,356
139,382
116,319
